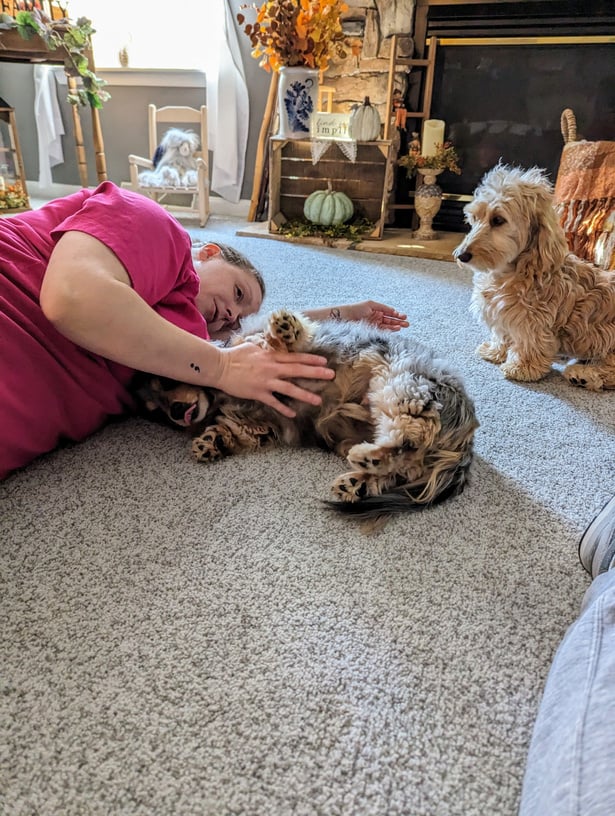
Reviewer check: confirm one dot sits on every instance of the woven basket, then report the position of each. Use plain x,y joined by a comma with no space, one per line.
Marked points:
568,124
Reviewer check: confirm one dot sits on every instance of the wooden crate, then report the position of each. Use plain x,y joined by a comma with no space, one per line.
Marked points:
366,181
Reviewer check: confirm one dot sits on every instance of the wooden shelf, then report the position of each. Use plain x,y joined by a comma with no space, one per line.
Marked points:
14,48
413,63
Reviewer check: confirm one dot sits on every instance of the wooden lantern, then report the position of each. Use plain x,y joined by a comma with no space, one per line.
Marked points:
13,189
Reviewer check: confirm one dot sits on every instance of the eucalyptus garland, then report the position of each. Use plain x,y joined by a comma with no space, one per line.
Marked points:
72,38
300,228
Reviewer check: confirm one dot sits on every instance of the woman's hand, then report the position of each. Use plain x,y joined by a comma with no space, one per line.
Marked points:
251,372
378,314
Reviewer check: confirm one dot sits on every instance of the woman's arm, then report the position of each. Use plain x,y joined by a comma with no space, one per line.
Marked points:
376,313
86,294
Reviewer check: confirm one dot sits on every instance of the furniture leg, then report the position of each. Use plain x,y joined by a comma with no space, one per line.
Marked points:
79,147
99,147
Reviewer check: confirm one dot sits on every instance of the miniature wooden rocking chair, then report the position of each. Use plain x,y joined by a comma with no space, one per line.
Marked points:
199,191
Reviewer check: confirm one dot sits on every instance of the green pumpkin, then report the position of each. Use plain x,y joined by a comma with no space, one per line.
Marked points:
364,123
326,207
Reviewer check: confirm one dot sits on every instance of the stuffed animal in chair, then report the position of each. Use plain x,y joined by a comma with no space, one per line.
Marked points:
174,161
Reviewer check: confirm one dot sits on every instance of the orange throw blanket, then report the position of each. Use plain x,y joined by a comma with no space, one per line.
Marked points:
585,197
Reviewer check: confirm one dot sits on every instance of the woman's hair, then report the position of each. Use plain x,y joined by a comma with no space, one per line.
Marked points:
235,258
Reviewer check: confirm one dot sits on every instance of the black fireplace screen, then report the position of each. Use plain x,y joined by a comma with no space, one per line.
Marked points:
505,102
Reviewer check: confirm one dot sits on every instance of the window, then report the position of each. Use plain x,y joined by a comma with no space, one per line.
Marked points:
153,35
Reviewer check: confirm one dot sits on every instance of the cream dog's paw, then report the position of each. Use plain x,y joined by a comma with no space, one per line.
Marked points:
523,372
584,376
492,352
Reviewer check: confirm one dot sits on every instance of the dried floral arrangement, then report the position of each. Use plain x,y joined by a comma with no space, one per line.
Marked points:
72,38
445,158
298,32
12,197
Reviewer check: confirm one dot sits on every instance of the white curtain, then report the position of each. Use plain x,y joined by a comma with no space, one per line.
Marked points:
48,123
228,111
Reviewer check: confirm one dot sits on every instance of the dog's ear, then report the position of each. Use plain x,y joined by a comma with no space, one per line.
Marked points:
547,247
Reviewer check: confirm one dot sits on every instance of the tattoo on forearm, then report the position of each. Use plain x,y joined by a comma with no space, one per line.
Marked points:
195,367
335,314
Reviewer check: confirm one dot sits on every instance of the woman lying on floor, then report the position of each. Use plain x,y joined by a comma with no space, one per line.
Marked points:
101,283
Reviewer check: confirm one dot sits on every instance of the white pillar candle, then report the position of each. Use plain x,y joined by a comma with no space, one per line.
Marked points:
433,134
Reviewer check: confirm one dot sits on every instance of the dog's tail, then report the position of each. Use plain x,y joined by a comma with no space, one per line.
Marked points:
447,477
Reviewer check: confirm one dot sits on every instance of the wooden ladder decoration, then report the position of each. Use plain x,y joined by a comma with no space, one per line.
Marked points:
429,63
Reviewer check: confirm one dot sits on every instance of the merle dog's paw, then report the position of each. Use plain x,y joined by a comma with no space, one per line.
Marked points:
287,328
208,446
369,457
349,487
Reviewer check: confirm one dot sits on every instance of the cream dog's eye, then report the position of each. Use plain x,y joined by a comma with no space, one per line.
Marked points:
497,221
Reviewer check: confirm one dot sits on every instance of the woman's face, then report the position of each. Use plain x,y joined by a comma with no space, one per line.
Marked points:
227,294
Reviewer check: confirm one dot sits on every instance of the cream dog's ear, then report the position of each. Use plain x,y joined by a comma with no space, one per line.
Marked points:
550,239
547,247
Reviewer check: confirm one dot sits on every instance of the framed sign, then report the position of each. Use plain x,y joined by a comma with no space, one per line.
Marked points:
330,126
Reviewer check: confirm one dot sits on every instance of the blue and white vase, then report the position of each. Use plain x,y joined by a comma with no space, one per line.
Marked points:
297,101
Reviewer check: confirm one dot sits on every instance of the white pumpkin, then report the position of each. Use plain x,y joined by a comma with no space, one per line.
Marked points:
364,124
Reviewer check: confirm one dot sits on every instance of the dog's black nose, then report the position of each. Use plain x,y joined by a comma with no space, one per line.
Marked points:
464,257
178,410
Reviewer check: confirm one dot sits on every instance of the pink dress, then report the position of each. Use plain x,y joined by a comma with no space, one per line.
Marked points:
50,389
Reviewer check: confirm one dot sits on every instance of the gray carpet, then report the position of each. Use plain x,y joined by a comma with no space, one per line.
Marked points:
185,639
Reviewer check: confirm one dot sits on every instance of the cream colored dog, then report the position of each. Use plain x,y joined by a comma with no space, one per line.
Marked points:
540,302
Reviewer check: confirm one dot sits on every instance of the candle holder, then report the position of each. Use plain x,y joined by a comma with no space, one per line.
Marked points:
427,203
428,195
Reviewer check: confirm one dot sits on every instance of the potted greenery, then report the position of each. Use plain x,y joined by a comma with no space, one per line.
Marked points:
296,40
445,158
74,39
